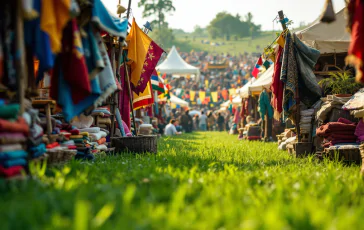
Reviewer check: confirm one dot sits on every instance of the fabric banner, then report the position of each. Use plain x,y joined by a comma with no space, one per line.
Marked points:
192,95
214,96
144,99
206,83
145,55
202,95
225,94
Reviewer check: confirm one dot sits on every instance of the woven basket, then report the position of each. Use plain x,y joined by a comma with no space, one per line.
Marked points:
60,156
139,144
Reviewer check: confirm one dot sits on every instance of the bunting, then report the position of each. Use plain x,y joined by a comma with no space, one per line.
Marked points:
157,84
257,66
192,95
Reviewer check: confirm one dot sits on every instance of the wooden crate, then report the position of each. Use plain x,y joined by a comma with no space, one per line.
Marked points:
346,155
300,149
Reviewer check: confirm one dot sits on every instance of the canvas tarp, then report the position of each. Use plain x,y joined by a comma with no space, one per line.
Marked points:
327,38
174,64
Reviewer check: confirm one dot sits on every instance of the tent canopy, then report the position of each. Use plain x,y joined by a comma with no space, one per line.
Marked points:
327,38
174,64
237,100
264,81
177,101
244,91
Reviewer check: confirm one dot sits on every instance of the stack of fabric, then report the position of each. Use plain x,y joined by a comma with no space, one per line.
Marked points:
306,121
36,147
14,131
97,138
102,117
334,133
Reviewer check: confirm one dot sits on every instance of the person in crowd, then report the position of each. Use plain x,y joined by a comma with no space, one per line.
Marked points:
195,122
220,122
227,120
203,121
186,122
171,129
211,121
170,117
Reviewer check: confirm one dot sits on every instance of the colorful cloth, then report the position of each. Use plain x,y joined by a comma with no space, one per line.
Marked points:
19,126
144,99
356,49
265,107
10,147
13,162
54,18
9,111
144,54
157,84
277,86
124,97
13,155
289,76
12,138
107,22
10,171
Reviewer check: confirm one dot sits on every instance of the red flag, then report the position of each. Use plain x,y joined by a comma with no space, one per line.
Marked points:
260,61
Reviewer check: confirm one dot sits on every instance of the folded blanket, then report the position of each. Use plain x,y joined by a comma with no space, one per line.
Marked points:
102,147
104,121
11,171
12,138
97,136
53,145
13,155
75,132
76,137
20,126
13,162
331,127
339,136
84,134
9,111
105,111
345,121
70,142
11,147
38,151
91,130
105,130
101,141
82,121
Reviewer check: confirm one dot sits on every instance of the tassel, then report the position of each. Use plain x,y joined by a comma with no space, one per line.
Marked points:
328,14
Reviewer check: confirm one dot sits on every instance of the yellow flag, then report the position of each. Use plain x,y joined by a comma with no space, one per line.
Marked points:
143,99
281,41
54,17
232,92
214,96
202,95
207,83
192,95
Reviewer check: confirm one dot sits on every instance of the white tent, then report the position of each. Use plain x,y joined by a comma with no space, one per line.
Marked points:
327,38
237,100
174,64
244,91
177,101
264,81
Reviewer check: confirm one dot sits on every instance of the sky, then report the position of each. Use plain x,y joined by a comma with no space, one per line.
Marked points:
190,13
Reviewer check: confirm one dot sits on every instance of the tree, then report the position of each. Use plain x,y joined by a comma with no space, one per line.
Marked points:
163,36
226,25
157,9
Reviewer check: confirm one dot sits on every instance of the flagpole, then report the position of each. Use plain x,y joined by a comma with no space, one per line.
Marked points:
127,79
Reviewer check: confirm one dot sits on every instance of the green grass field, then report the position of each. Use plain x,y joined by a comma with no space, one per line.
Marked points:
197,181
232,46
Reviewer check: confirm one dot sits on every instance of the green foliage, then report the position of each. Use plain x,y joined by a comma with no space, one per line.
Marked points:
158,10
227,25
163,36
196,181
340,83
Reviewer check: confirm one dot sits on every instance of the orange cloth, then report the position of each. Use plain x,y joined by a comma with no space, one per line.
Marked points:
20,126
101,141
54,17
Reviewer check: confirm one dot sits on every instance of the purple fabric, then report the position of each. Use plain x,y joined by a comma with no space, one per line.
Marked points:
359,131
124,99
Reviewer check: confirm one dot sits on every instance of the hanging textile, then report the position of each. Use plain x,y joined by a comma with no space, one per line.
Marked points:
202,96
144,54
144,99
192,95
289,76
277,85
124,98
356,27
157,84
214,96
38,42
265,107
54,18
106,22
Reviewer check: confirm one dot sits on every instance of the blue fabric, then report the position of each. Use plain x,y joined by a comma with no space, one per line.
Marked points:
14,162
38,151
12,155
70,110
105,111
108,23
39,41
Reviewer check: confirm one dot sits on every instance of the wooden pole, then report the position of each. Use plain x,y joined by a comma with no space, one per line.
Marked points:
297,97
